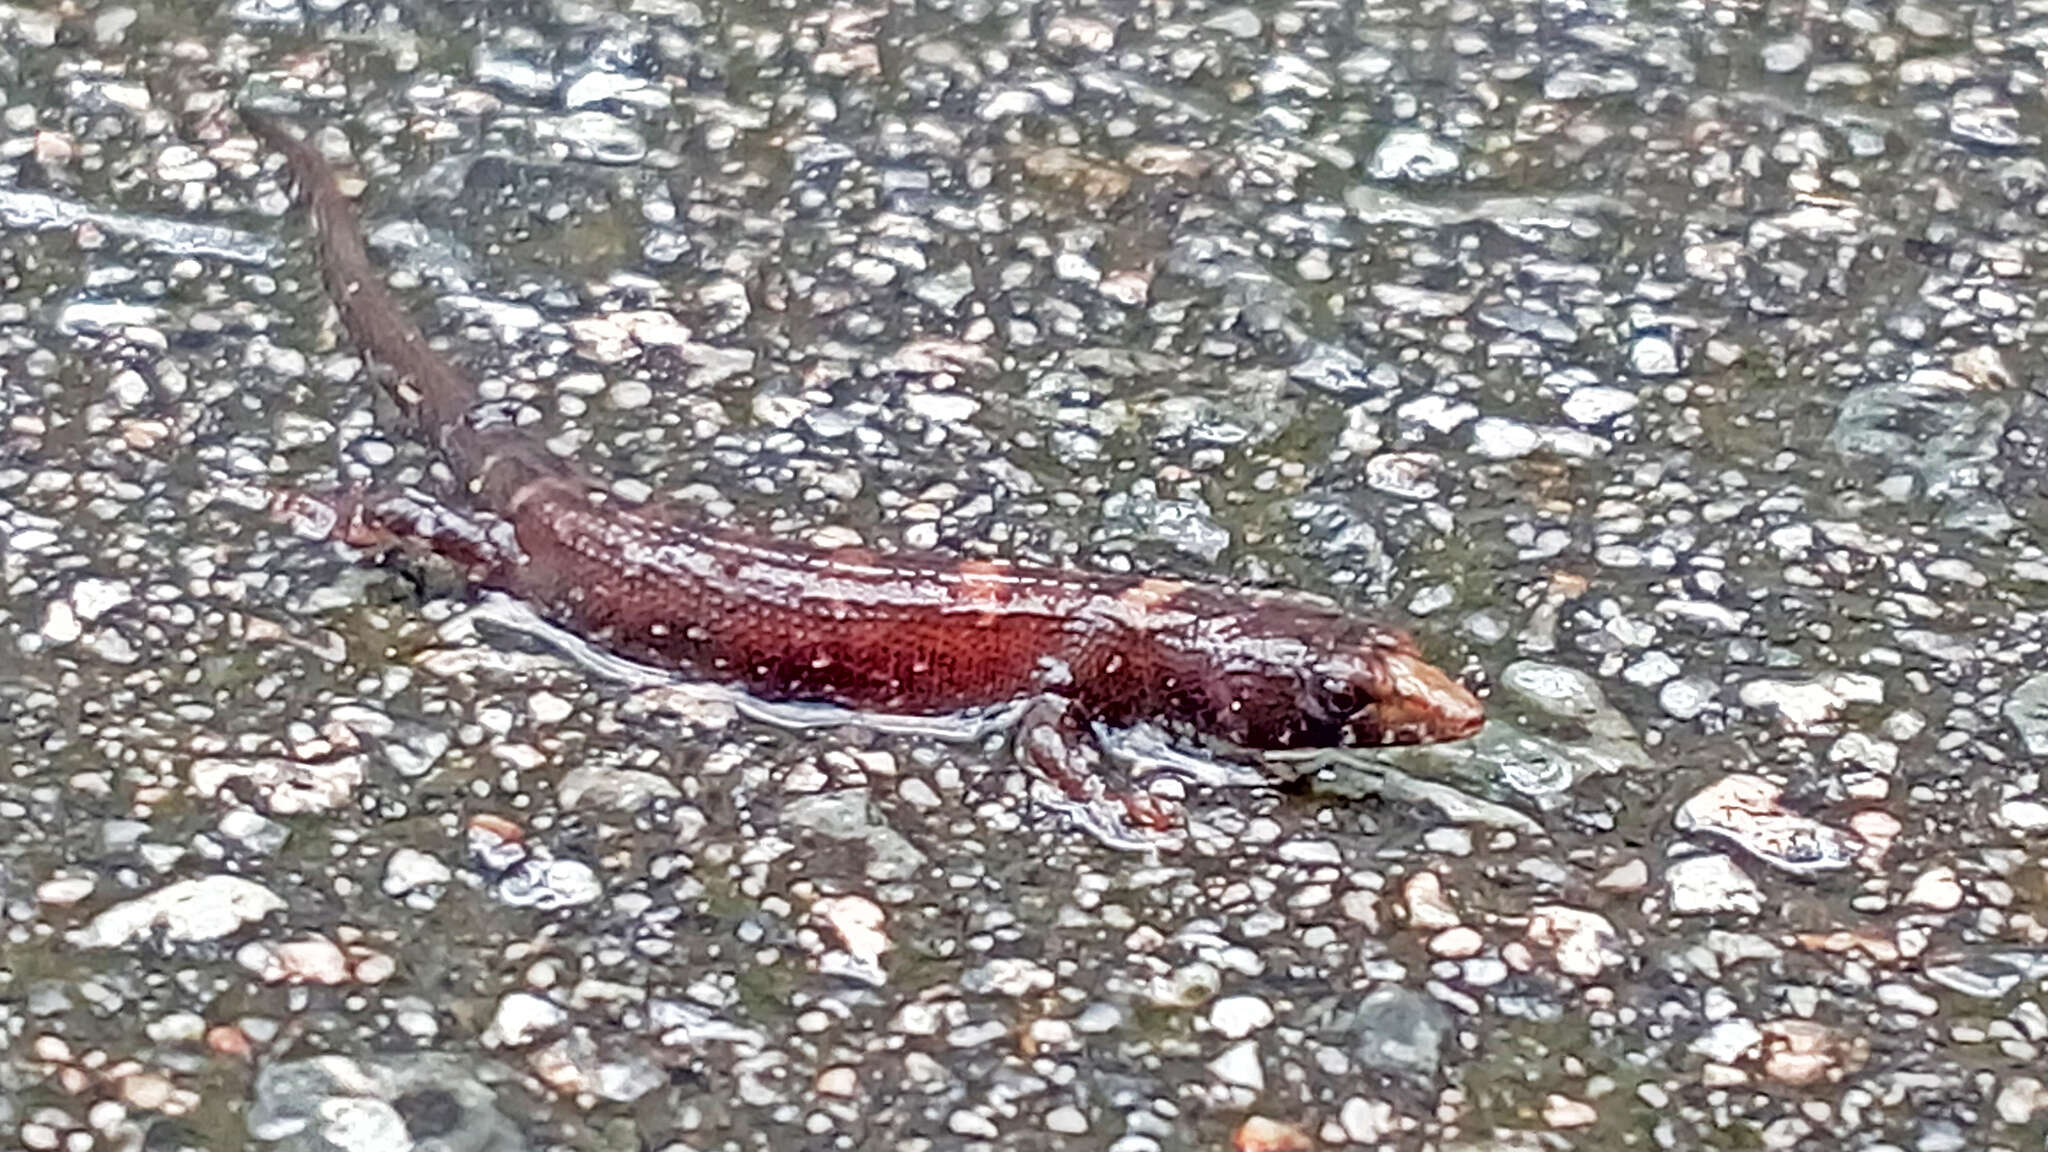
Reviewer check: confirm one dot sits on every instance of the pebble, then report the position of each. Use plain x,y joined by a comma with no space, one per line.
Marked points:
1242,23
1597,404
1727,1041
313,960
1367,1122
1585,943
1804,705
1686,698
1239,1065
2026,710
1426,905
1907,998
1936,888
1565,1112
1499,439
2023,815
2020,1099
93,599
61,624
623,790
1653,356
1186,986
1457,943
1787,55
1067,1120
1310,852
1239,1016
521,1019
1412,155
859,923
410,870
1800,1052
62,891
1743,810
548,708
189,910
253,830
1401,1030
1260,1134
546,884
1703,885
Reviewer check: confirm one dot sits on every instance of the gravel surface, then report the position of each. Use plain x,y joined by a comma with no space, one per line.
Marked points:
1669,366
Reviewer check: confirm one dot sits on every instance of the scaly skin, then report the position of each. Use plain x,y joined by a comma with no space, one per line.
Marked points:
904,633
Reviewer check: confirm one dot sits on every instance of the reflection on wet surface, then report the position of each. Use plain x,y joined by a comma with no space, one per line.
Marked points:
1669,368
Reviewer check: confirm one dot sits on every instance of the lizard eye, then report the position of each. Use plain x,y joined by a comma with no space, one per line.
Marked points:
1341,697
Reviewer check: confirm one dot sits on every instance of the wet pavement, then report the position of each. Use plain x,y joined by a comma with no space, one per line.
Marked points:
1667,366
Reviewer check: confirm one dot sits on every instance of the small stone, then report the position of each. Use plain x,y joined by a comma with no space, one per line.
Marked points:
546,884
629,394
1239,1066
1703,885
1565,1112
1401,1030
189,910
521,1019
1457,943
1585,942
1186,986
63,891
1597,404
858,921
1727,1041
1744,810
1259,1134
1239,1016
1686,698
1310,852
1242,23
1803,1052
1936,888
1410,154
548,708
1067,1120
2023,815
2021,1099
1787,55
1628,876
60,623
147,1091
1804,705
1496,438
1427,907
1654,355
313,960
410,870
1367,1122
92,599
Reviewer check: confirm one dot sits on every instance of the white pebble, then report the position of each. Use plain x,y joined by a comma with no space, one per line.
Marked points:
1653,356
1239,1066
1237,1017
521,1019
547,708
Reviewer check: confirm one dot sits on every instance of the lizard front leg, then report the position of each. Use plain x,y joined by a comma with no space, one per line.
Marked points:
1055,739
406,521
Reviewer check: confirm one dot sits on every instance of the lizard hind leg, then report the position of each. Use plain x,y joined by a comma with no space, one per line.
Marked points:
1055,740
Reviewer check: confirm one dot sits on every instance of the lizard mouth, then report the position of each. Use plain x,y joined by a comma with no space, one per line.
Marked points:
1415,702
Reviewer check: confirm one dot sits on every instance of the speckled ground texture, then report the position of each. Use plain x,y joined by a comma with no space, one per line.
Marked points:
1666,364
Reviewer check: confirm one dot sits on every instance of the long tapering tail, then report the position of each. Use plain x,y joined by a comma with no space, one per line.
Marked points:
426,387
